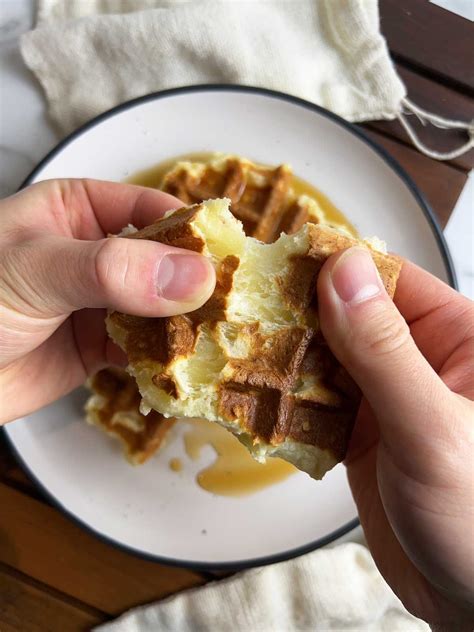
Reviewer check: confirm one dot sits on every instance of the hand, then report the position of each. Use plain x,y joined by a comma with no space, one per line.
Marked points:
410,463
58,271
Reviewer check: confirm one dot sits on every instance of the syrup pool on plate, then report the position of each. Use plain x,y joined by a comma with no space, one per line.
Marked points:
233,472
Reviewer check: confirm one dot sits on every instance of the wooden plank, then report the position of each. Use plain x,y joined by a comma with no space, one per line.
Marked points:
17,478
439,99
440,183
11,472
42,543
430,38
7,460
26,607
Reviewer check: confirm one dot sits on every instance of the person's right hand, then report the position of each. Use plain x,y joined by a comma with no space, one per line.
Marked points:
410,463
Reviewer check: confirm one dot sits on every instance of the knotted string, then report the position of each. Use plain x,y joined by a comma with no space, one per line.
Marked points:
438,121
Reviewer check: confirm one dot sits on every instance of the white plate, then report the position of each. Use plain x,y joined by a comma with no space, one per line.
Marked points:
151,510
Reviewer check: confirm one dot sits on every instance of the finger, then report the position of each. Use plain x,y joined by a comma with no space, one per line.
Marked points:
114,355
419,293
438,317
365,434
371,339
85,209
48,372
55,275
78,348
116,205
95,347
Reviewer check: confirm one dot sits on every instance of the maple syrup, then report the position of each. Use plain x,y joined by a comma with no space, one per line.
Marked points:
153,177
234,472
176,465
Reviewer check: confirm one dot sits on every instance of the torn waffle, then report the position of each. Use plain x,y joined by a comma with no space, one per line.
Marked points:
252,358
264,200
114,407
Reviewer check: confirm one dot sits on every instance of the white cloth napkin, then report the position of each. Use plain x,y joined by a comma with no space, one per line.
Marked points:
90,55
330,589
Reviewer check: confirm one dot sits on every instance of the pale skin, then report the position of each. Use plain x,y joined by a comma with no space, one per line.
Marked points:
410,459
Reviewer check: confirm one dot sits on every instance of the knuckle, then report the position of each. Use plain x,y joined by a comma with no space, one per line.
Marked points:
105,262
113,266
384,336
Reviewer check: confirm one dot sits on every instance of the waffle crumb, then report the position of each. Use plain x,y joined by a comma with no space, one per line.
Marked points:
114,407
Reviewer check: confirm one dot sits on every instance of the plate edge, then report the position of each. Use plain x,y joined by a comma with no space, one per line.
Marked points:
382,153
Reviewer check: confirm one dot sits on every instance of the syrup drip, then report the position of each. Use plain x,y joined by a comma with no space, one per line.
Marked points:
234,472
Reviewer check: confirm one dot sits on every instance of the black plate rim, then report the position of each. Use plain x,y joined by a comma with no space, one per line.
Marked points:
388,159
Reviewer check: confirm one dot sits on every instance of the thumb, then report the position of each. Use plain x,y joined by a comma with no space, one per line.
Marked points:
55,275
372,341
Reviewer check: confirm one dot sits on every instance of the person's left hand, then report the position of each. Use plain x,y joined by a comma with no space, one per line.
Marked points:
56,263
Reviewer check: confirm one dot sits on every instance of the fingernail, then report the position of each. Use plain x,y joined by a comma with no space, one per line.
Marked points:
355,277
182,277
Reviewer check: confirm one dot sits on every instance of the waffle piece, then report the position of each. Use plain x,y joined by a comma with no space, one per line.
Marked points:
252,358
114,407
262,198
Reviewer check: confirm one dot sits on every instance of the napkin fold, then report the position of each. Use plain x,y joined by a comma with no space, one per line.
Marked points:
330,589
93,54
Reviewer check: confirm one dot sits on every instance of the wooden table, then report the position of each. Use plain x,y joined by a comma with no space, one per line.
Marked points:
55,576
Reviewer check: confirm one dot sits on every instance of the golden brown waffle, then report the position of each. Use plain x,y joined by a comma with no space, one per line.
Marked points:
115,408
252,358
263,199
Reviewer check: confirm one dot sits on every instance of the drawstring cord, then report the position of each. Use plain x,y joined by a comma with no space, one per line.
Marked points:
438,121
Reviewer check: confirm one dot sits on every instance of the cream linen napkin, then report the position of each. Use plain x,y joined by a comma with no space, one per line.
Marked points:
331,589
327,51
